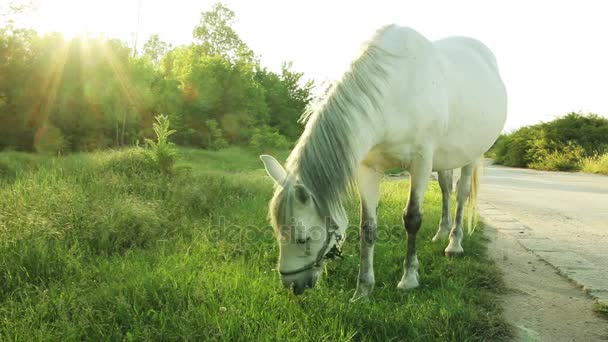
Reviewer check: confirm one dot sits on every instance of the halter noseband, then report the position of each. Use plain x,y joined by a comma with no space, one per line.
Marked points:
334,252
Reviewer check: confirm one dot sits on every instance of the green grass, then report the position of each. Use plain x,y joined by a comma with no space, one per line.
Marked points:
101,247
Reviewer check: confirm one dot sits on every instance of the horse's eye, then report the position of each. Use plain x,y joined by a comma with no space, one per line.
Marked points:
300,241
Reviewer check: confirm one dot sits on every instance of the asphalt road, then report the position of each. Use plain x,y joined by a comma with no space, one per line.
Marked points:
561,217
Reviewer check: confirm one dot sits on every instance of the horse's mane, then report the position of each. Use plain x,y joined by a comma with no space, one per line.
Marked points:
324,158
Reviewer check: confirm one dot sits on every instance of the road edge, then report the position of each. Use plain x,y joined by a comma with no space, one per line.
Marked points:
507,224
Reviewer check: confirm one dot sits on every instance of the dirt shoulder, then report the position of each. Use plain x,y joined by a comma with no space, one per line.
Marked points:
539,303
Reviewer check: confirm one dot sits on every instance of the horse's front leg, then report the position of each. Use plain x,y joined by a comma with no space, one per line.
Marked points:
445,183
412,219
368,181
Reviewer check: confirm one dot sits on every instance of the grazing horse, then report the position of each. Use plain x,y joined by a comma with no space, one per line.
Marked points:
405,102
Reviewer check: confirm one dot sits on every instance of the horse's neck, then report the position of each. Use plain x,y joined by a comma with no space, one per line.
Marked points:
337,162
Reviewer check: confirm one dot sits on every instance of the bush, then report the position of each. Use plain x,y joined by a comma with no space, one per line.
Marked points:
215,138
50,140
162,152
596,164
512,149
569,159
561,144
267,140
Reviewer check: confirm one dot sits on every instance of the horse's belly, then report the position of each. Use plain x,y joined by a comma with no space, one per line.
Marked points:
463,145
386,156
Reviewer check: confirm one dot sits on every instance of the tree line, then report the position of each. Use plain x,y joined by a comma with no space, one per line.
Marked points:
93,92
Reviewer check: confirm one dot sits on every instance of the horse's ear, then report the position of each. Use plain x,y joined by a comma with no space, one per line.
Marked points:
274,169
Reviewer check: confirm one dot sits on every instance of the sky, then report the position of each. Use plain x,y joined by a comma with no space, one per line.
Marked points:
552,55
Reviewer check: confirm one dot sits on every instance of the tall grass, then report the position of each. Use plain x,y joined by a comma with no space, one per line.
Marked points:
597,164
104,247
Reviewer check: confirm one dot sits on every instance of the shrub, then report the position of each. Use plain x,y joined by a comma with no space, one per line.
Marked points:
162,152
596,164
266,140
215,137
554,145
512,149
50,140
568,159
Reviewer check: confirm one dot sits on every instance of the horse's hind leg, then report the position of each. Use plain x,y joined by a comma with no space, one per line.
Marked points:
463,189
412,219
445,183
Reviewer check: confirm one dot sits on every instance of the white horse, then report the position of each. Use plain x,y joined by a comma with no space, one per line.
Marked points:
407,102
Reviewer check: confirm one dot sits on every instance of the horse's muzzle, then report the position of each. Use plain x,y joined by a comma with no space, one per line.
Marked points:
299,283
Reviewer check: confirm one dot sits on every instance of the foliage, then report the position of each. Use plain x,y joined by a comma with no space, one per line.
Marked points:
49,139
215,36
561,144
568,159
92,93
9,8
267,140
162,151
286,99
87,253
596,164
215,137
155,49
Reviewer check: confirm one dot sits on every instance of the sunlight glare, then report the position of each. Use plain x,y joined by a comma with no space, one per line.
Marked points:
75,18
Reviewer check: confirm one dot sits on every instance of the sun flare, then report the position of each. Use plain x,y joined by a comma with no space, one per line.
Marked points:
76,18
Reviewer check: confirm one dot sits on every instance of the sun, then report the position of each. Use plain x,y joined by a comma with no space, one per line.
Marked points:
74,18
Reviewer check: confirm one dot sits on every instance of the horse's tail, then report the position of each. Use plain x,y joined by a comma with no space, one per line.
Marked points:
472,200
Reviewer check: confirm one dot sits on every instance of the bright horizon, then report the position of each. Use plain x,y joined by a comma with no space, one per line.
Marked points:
550,55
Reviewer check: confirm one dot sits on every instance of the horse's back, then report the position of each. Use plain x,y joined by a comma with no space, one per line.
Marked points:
446,95
466,45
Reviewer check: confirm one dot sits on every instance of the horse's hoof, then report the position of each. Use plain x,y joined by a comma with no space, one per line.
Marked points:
454,252
362,292
410,282
359,298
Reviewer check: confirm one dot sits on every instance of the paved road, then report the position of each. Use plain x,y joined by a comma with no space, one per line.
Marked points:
561,217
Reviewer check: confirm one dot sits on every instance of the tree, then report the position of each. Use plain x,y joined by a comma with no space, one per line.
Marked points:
213,88
10,8
155,49
215,36
20,88
91,93
287,98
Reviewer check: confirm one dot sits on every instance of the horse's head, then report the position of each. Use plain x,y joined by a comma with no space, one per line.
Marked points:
306,232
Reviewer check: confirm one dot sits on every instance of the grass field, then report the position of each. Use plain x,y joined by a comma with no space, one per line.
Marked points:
101,247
